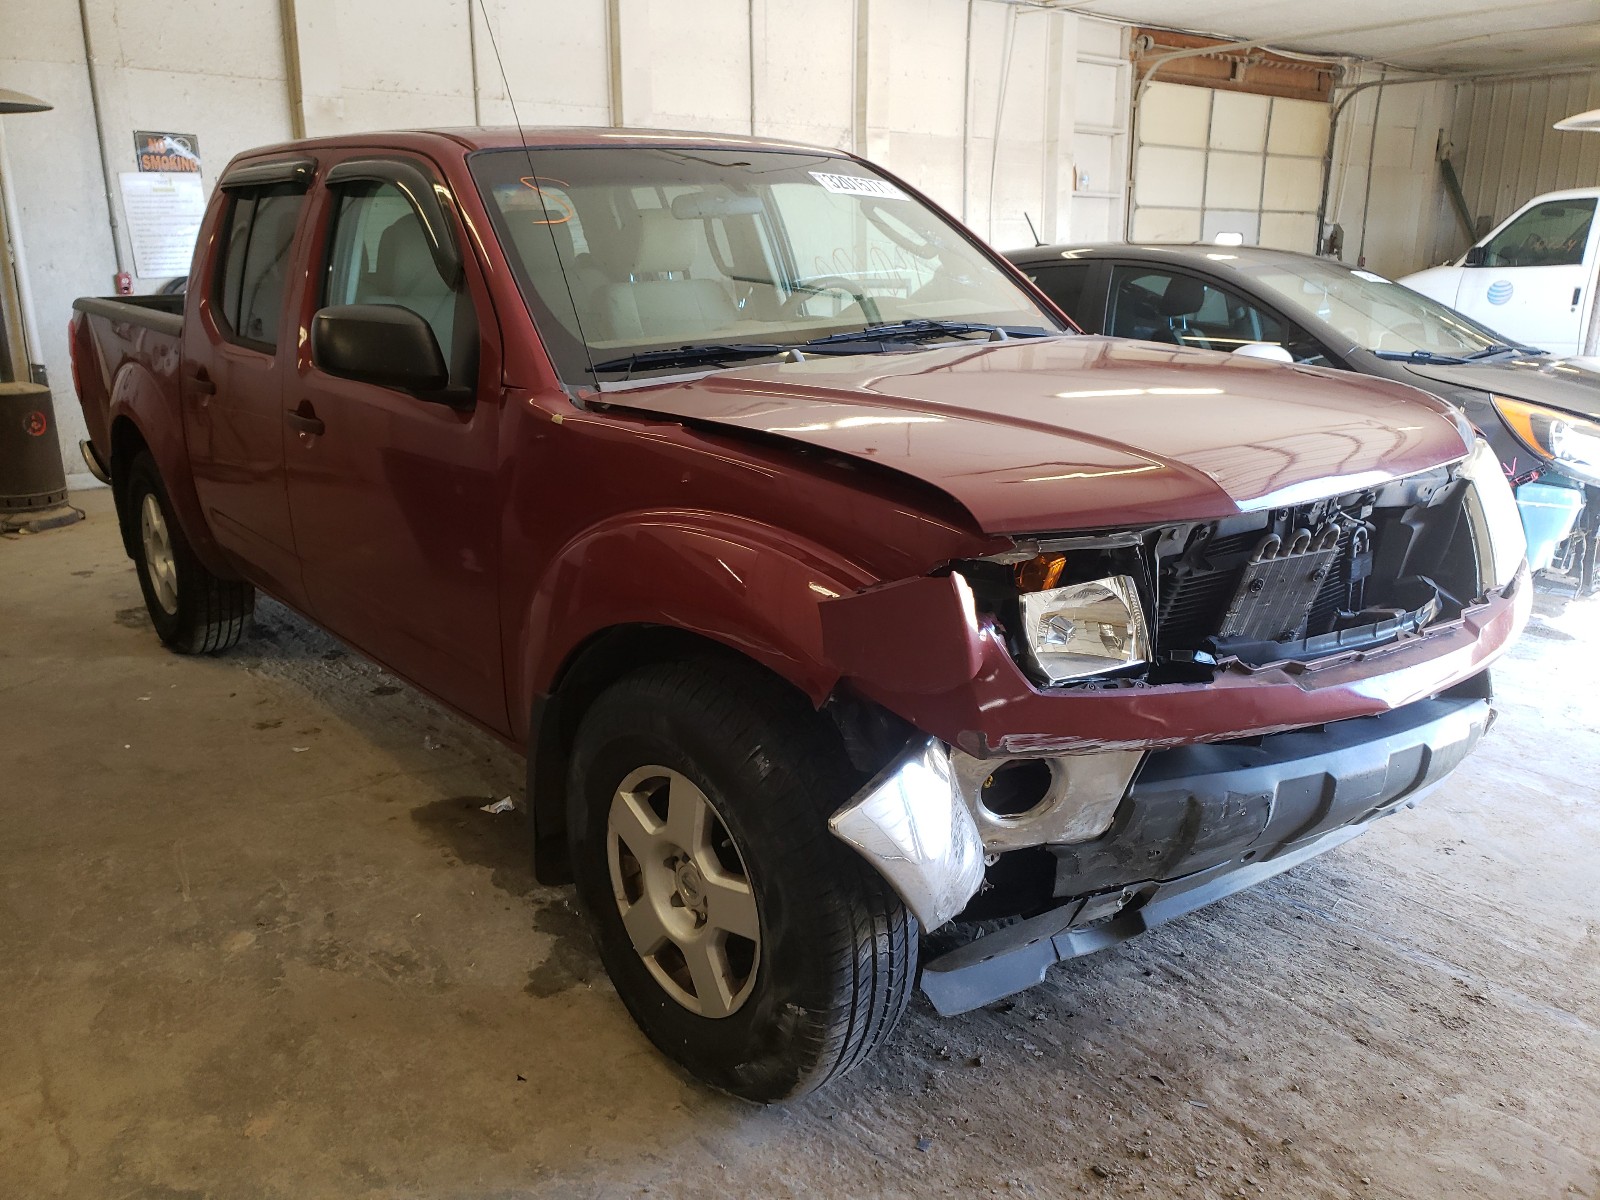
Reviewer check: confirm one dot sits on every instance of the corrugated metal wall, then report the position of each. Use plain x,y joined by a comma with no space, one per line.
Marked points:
1506,152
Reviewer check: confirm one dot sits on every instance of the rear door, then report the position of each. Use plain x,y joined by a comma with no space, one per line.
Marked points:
235,356
393,494
1534,273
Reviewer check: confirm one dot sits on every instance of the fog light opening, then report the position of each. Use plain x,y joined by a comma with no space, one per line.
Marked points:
1016,788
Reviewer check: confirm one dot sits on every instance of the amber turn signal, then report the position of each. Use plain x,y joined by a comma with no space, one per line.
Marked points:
1040,574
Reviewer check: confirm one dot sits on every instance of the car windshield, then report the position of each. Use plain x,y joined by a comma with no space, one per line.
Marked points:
1371,311
640,259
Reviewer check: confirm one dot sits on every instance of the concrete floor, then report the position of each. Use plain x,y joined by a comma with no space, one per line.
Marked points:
257,939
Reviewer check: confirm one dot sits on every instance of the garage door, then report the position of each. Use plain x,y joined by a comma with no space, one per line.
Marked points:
1209,162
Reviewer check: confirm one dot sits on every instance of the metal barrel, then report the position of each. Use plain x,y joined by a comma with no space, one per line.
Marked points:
33,483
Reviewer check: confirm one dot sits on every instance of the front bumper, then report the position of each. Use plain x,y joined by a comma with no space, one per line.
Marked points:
967,691
1205,821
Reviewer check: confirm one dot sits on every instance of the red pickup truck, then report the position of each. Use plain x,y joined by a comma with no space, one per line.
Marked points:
836,590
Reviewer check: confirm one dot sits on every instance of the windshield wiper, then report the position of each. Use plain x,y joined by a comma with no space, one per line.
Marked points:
1492,351
687,356
920,328
1421,356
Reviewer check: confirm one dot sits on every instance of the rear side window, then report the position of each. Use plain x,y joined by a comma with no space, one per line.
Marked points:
1552,234
254,272
1067,285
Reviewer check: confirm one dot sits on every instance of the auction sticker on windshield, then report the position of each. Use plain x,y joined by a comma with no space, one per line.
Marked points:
855,185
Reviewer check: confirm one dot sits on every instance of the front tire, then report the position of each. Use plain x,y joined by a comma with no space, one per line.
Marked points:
193,611
750,945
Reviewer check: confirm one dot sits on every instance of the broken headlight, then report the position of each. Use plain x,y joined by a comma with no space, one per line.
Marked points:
1085,628
1492,514
1571,443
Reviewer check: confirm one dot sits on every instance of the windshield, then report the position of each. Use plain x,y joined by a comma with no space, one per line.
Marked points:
1373,312
624,252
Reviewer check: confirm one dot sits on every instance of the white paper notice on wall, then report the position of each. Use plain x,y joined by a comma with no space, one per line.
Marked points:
855,185
163,213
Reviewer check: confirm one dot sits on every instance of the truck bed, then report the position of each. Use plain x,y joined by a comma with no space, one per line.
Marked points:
115,334
161,313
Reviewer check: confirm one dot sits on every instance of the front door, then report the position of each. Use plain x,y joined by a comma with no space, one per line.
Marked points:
1530,285
392,494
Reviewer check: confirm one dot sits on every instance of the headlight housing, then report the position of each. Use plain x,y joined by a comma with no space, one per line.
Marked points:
1085,629
1570,442
1497,535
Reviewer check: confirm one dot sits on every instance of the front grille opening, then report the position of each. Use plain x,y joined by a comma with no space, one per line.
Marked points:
1299,582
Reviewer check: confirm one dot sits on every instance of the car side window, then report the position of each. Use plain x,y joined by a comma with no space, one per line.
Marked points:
1184,310
380,255
255,261
1552,234
1065,284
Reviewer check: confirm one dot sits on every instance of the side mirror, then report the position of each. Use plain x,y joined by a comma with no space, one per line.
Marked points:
385,344
1475,256
1267,350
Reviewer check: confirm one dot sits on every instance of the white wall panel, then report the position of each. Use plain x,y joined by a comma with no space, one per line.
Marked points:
699,65
1174,114
805,70
1233,180
1288,231
556,58
1298,127
1165,224
1101,103
1239,121
1292,184
1169,176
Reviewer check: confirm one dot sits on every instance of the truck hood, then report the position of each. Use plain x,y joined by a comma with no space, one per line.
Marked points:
1557,383
1437,283
1072,433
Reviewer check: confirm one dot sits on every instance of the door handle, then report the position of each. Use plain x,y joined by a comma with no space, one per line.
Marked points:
201,382
305,421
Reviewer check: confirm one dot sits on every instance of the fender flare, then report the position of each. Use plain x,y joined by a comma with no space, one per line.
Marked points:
665,584
147,403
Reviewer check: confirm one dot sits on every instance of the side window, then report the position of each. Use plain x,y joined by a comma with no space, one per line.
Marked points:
1065,283
1552,234
380,255
1162,306
255,261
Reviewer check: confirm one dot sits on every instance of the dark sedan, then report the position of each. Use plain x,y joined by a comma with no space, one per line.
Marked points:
1541,415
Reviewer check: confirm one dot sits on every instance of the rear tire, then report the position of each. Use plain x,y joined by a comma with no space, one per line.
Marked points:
193,611
829,968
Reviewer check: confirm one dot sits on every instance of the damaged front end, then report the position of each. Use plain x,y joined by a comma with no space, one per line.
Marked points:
1105,721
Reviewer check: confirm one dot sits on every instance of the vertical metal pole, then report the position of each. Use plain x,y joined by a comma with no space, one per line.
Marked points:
472,53
966,124
13,308
1372,145
614,57
291,62
100,132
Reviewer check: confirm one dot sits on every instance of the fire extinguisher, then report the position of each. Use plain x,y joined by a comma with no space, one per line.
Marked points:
124,284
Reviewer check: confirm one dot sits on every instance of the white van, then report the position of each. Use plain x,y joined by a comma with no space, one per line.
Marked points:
1533,278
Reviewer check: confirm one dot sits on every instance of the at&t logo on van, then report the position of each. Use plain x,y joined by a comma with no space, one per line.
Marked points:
1500,291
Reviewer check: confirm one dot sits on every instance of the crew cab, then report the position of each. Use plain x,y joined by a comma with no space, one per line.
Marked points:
836,589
